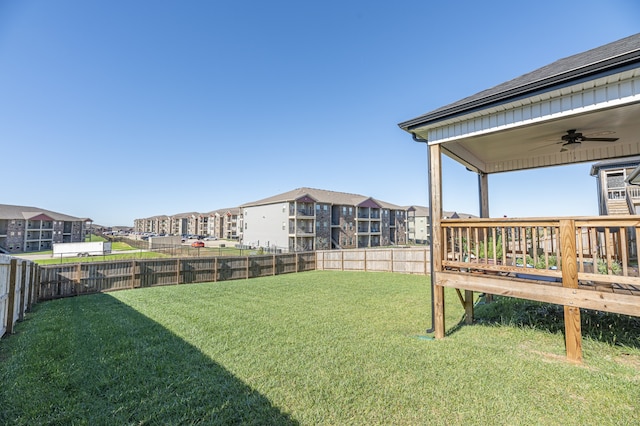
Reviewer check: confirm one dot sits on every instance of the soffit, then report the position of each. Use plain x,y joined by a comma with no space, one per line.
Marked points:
526,133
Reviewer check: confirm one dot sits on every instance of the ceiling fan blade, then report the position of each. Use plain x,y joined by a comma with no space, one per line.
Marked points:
600,139
545,146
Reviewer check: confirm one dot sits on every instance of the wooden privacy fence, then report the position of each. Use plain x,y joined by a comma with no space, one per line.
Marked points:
84,278
18,290
413,260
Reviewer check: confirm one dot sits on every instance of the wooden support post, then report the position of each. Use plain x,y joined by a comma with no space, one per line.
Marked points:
435,171
177,271
468,306
572,327
13,266
483,192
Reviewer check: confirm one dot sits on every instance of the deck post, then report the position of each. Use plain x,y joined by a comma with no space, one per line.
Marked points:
435,171
468,307
483,194
572,328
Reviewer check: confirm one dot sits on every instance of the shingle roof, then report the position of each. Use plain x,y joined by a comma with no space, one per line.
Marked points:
8,211
232,210
615,163
322,196
608,58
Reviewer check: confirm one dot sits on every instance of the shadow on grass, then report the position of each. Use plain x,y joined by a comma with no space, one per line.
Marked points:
614,329
95,360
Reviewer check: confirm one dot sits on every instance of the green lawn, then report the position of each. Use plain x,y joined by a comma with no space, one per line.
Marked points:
312,348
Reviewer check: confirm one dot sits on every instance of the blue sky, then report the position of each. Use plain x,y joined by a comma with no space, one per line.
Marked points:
116,110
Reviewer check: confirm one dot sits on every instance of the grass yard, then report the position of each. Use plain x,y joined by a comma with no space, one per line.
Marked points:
312,348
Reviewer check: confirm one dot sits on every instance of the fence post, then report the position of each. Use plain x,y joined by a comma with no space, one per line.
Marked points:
247,269
78,278
274,264
12,294
215,269
32,287
426,268
38,284
178,271
133,273
23,281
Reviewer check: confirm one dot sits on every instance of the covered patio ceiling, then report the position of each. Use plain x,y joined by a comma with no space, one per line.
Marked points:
540,144
519,124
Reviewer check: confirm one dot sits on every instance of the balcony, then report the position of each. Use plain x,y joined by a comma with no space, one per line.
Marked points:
301,231
304,212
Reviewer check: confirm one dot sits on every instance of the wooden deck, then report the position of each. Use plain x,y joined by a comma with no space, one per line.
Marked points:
587,262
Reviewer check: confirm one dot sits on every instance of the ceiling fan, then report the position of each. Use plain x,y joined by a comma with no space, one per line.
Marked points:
573,140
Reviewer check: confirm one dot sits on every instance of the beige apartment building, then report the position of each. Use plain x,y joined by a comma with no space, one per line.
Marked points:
315,219
223,224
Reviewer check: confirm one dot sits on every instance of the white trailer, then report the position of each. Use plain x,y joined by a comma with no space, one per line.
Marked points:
93,248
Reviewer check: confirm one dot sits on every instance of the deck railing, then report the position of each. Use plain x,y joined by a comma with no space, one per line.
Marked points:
604,249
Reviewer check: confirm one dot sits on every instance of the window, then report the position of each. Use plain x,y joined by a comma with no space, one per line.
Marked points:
350,210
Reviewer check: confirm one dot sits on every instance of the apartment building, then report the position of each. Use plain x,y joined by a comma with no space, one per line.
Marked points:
418,223
225,224
316,219
616,195
27,229
160,224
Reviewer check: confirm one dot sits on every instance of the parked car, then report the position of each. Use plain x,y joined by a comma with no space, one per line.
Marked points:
197,244
211,238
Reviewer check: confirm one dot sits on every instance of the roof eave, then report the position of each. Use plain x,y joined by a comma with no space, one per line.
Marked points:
608,66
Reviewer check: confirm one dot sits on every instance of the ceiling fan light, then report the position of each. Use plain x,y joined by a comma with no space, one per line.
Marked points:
572,146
